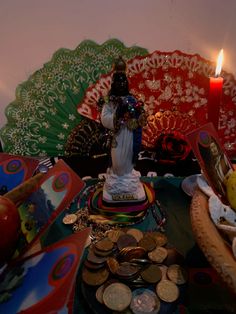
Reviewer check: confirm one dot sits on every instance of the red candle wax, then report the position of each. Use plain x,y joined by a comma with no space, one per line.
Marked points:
214,101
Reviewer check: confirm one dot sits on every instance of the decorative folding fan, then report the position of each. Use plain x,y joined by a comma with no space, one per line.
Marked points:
43,119
174,87
55,112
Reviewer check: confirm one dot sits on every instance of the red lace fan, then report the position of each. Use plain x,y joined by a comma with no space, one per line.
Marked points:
174,87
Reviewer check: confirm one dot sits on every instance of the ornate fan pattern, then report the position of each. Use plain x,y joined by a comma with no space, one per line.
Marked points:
44,114
174,87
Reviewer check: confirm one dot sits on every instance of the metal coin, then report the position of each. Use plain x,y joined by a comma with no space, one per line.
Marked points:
167,290
69,219
126,240
117,296
114,235
151,274
104,245
144,301
177,274
112,264
127,270
95,278
102,253
160,238
91,257
173,257
99,293
158,255
163,269
136,233
128,253
147,242
93,266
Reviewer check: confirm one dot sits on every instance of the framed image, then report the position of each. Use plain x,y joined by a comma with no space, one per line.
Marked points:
212,158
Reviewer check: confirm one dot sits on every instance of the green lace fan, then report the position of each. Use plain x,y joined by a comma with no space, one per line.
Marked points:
43,119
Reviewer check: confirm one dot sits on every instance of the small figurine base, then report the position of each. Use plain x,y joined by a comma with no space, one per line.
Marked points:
120,212
138,196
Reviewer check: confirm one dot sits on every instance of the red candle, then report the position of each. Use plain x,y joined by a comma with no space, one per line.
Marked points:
215,93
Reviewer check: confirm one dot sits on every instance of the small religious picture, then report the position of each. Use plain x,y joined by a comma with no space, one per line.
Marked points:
212,158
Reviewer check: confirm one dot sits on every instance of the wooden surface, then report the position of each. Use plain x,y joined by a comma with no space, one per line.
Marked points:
216,250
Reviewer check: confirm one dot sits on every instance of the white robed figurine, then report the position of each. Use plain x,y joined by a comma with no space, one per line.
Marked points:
125,116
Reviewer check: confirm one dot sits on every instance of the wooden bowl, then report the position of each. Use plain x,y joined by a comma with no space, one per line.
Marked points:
217,251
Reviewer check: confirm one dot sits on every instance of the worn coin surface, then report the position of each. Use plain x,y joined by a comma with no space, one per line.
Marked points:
112,264
95,278
160,238
144,301
127,270
158,255
129,253
117,296
114,235
177,274
99,293
69,219
136,233
167,290
151,274
104,244
147,242
126,240
91,257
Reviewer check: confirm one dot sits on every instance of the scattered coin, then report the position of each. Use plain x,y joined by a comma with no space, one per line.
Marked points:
126,240
167,290
158,255
99,293
93,266
151,274
69,219
136,233
163,269
144,301
95,278
177,274
160,238
127,271
117,296
112,264
104,244
95,259
173,257
147,242
114,235
128,253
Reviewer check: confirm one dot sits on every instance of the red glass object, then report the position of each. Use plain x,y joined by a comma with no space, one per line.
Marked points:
10,228
215,98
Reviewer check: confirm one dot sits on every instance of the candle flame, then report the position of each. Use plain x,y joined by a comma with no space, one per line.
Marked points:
219,63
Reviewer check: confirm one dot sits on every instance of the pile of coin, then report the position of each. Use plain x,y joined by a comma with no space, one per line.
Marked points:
135,271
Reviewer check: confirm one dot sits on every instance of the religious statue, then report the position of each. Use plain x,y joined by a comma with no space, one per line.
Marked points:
125,116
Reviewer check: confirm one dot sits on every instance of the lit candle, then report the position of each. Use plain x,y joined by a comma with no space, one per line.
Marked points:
215,93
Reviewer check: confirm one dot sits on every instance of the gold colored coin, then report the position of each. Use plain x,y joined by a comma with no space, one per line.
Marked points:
95,278
99,293
147,242
151,274
158,255
167,290
112,264
114,235
160,238
69,219
136,233
177,274
104,245
117,296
